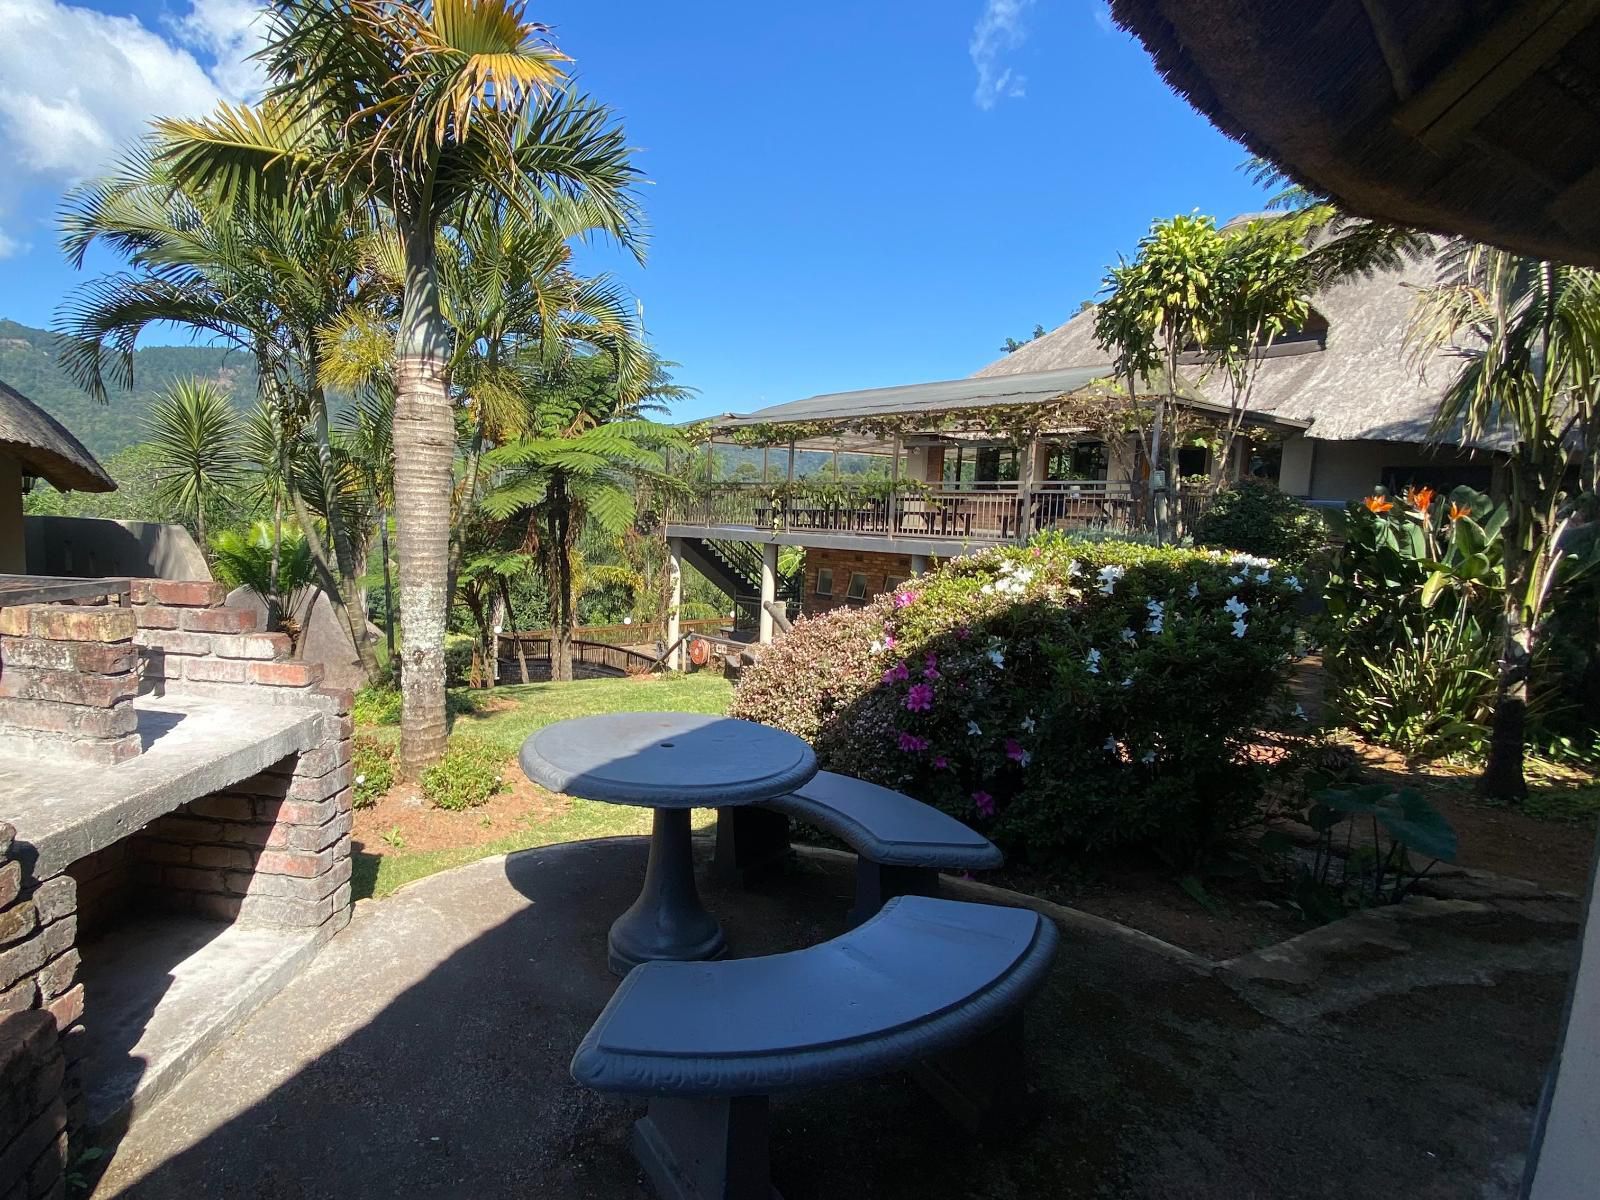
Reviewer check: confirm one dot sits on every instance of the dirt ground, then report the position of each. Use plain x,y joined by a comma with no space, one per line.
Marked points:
403,820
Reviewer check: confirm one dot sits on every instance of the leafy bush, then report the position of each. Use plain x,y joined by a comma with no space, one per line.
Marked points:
1413,596
376,706
1066,697
373,762
458,651
1256,518
470,772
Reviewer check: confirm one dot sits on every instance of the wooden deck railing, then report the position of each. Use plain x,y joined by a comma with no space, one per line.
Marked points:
983,513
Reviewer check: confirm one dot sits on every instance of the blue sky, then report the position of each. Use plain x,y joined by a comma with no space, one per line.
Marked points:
842,195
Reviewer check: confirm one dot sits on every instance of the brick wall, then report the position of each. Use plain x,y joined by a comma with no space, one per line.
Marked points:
67,681
273,850
875,566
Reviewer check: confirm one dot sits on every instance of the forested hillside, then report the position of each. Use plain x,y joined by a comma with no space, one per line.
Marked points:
28,363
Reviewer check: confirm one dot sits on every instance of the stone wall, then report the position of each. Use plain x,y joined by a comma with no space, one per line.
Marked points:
880,570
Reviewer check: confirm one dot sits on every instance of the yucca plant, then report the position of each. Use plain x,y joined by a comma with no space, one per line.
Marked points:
193,431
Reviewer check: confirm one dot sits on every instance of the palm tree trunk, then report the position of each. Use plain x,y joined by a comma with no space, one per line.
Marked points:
388,583
424,451
511,619
274,596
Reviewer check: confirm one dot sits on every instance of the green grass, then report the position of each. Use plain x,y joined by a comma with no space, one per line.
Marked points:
537,705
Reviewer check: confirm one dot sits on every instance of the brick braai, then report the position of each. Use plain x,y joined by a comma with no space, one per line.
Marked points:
272,849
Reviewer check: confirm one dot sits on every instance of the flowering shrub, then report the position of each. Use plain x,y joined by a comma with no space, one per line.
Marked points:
1065,697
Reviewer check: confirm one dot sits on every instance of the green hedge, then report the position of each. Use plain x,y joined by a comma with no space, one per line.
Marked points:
1064,698
1256,518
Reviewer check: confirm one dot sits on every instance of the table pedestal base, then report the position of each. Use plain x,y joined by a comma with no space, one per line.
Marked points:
667,921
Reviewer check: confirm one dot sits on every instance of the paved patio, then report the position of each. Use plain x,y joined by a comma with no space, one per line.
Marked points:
424,1053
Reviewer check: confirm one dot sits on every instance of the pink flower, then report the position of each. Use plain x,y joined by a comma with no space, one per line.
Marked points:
984,803
941,763
888,641
920,697
904,599
963,633
910,743
930,666
898,673
1016,753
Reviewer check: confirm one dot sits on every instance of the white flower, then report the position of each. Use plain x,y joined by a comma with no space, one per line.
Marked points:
1249,560
1092,662
1109,576
1237,579
1110,745
1158,615
1194,590
997,657
973,730
1127,681
1263,576
1236,606
876,648
1293,584
1128,635
1074,569
1239,627
1149,756
986,589
1300,711
1028,723
360,779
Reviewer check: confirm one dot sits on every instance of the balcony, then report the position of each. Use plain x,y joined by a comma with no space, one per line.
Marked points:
936,515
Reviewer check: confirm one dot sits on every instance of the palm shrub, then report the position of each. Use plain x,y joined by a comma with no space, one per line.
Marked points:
272,563
193,431
1067,697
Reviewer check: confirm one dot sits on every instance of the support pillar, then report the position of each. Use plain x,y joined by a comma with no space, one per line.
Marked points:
674,602
769,590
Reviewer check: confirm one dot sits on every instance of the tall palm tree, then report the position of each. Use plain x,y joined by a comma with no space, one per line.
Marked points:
420,110
1527,336
194,431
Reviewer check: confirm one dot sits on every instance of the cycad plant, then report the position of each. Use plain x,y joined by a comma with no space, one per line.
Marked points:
193,431
272,561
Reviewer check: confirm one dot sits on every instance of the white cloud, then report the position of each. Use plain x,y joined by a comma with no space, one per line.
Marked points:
77,86
999,30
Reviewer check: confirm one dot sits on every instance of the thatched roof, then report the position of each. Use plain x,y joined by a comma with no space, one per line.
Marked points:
1358,383
45,448
1457,116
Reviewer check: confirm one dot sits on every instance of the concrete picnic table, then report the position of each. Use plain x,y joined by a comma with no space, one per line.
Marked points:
668,762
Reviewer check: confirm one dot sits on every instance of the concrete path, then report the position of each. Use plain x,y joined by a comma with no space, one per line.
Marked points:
424,1054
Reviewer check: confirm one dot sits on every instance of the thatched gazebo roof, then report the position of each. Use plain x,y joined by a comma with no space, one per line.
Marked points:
44,447
1456,116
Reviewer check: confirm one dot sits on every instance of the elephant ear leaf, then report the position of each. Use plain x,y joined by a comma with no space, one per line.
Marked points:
1418,826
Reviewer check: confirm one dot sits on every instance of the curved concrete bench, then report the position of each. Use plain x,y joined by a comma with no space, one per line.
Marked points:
708,1042
901,844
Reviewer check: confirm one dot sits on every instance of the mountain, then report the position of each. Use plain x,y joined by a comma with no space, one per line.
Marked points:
28,362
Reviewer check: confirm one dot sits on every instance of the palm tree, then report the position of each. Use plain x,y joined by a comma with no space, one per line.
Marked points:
263,277
421,111
1527,335
194,431
365,443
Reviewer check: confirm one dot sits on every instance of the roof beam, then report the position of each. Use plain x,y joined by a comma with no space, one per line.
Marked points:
1495,64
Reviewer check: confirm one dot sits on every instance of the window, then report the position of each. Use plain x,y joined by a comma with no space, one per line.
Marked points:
858,586
825,581
891,583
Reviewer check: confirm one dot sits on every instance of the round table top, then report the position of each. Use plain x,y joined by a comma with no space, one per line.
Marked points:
667,760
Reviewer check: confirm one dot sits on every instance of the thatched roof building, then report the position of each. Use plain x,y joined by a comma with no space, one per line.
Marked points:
1349,375
45,448
1457,116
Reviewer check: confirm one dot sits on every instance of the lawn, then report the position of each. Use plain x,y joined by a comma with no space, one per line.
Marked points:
401,839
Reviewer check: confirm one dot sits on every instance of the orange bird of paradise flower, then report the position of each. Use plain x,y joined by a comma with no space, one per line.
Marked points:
1421,498
1378,504
1457,511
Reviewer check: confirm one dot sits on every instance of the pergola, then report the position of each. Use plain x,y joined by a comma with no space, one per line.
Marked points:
1455,116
